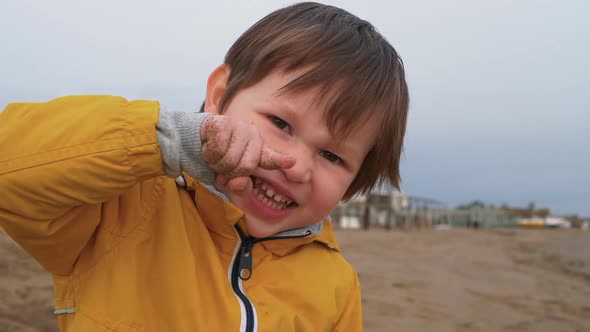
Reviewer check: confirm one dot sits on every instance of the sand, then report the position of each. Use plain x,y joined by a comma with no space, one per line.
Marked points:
428,280
26,291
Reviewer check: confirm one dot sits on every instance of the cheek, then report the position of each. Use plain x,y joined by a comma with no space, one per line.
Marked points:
330,185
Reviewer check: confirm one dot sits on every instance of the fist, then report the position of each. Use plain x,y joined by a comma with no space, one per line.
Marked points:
234,149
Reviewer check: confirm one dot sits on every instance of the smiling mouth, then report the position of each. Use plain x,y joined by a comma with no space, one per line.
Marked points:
269,196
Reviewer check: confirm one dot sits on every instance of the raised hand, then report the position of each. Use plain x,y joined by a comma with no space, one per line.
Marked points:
234,149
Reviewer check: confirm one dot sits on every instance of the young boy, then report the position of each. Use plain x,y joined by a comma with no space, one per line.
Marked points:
215,221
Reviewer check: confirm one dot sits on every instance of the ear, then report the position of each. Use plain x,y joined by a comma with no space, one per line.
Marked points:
215,88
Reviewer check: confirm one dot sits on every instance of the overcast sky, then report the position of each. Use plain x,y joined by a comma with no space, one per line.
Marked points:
499,89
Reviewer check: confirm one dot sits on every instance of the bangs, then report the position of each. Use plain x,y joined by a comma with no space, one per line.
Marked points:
352,89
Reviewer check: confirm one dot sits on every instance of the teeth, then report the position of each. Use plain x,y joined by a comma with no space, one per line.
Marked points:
271,203
267,195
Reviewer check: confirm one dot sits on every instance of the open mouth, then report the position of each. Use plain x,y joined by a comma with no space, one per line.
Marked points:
270,197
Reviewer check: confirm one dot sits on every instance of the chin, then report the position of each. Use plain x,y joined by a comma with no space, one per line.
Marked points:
257,230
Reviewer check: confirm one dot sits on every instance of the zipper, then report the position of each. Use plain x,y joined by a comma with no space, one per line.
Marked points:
242,270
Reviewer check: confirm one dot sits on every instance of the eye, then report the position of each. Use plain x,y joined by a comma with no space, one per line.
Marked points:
331,157
280,123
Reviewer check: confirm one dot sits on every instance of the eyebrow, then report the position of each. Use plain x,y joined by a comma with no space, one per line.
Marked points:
285,106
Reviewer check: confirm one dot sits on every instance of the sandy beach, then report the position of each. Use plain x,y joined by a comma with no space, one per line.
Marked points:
427,280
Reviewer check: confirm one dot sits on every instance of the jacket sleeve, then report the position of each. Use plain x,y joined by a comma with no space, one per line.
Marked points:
351,318
61,159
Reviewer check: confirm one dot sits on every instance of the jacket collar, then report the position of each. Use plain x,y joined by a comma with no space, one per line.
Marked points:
220,215
325,238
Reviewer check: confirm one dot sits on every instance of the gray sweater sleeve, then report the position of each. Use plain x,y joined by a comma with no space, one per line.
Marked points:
179,138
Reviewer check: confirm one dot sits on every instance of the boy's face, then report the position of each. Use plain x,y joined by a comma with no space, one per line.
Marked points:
294,125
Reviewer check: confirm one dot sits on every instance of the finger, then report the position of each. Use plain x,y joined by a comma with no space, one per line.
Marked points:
218,133
270,159
234,153
221,180
251,156
240,184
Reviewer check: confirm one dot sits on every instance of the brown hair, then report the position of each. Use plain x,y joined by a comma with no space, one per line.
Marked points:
349,62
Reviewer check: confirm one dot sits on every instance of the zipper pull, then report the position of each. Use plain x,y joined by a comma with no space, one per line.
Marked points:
245,267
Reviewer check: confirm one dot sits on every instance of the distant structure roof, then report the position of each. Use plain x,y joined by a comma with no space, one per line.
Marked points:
384,189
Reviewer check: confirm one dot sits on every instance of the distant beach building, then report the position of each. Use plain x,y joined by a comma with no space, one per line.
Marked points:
388,208
482,216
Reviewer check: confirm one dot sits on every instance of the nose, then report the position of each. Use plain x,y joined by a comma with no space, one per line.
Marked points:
302,171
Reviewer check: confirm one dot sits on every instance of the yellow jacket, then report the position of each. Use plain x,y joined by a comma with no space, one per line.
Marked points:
83,191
